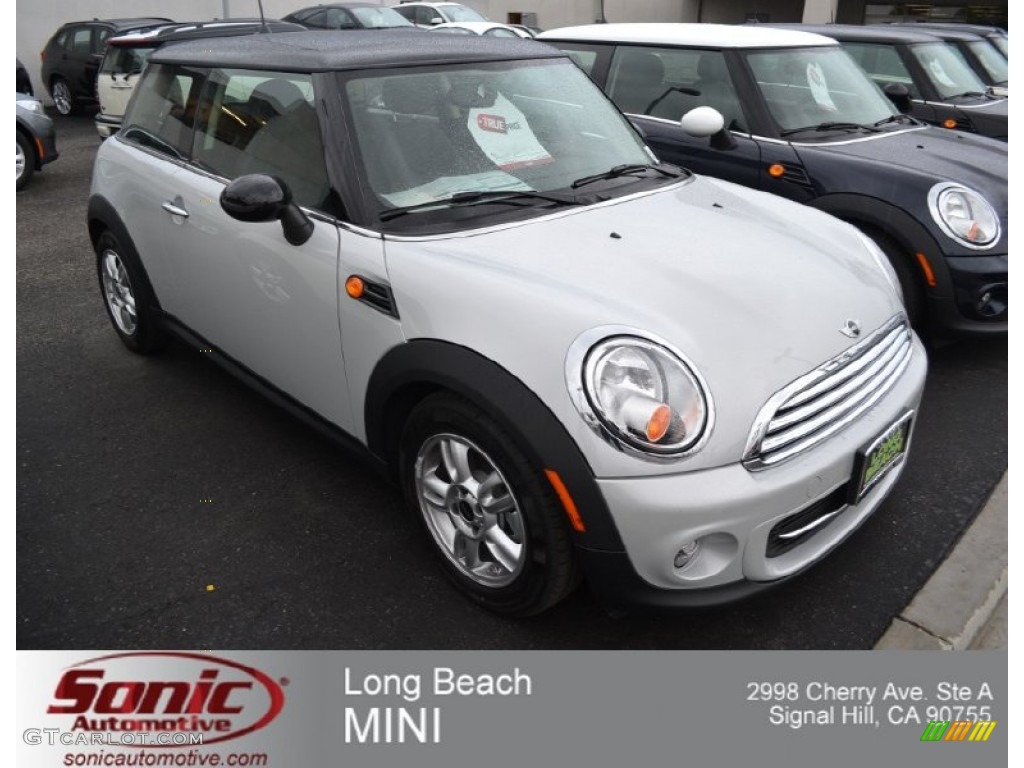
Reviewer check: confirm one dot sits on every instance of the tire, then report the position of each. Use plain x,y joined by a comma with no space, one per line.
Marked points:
63,100
25,165
494,521
911,281
128,296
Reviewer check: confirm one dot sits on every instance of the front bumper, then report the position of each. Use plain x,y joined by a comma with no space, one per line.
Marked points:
978,304
734,510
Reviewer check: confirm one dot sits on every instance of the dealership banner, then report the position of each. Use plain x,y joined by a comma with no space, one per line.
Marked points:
509,709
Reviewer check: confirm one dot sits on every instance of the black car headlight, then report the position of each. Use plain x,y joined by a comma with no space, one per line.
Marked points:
964,215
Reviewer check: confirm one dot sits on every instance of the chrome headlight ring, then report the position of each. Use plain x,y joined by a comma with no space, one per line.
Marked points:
639,393
964,216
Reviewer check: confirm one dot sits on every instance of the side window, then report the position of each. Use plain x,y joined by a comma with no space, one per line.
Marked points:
668,83
339,18
81,38
316,20
408,13
99,39
883,65
425,15
64,39
161,114
263,122
585,60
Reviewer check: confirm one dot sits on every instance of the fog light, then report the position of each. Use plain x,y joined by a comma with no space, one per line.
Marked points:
687,554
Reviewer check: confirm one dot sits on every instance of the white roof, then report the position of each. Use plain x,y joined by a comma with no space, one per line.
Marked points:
710,35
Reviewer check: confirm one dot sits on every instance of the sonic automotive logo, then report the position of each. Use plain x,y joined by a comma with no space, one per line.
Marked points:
167,692
958,730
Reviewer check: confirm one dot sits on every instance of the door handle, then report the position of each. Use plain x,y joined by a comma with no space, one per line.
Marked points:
174,210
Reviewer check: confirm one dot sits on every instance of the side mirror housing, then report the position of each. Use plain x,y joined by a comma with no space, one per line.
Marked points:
257,197
899,96
708,122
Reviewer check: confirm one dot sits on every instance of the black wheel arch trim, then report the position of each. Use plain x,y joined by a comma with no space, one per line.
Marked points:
103,216
410,371
900,226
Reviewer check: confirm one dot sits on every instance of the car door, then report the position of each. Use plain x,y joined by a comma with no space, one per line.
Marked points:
269,305
75,59
655,86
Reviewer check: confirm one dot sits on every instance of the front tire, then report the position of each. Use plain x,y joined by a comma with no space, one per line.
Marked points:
127,296
25,162
492,518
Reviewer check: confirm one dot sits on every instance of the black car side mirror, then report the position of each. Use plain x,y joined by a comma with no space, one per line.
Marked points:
258,197
899,96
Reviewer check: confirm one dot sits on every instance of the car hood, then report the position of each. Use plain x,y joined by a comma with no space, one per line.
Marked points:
975,161
752,288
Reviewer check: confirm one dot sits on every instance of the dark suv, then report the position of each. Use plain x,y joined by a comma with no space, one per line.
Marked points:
790,113
71,58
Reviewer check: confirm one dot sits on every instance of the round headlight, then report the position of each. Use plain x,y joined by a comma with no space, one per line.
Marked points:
645,396
964,215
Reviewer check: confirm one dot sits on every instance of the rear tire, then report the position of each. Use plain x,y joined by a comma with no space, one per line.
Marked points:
493,519
63,100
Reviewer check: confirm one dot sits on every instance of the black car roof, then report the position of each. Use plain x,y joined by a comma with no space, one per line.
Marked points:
978,29
878,33
350,49
143,21
943,33
201,30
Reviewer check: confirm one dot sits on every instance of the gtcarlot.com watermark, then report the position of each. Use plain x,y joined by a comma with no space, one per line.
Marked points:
56,736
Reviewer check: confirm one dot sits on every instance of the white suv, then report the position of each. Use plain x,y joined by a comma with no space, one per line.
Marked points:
463,261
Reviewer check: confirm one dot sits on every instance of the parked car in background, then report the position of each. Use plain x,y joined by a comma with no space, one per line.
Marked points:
71,58
36,138
486,28
790,112
431,14
988,63
126,57
574,359
22,82
943,88
995,36
348,16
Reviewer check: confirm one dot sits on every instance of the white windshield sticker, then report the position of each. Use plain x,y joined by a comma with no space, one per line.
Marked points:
503,134
940,74
446,186
819,88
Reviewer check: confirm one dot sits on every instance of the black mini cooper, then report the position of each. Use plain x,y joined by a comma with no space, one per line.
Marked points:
791,113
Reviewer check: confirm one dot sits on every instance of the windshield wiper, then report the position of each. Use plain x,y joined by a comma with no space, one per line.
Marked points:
967,94
509,196
625,170
831,126
897,119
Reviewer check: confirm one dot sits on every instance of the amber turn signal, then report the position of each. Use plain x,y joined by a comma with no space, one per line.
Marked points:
775,170
354,287
949,123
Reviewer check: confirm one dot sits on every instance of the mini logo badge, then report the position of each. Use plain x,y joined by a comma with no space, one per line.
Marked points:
851,329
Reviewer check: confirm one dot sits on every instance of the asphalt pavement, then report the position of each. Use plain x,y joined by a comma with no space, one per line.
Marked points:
162,504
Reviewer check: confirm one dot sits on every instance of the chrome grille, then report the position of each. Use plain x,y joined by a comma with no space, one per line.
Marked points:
830,397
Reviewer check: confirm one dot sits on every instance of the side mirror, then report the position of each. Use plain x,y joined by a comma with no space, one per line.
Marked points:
899,96
437,20
708,122
257,197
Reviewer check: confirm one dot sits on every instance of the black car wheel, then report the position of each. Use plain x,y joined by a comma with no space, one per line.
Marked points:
128,296
25,162
62,98
494,520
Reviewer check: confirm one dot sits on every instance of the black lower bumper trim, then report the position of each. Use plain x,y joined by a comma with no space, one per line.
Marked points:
617,585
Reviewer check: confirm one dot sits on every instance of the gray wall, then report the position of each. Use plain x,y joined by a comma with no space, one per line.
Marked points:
735,11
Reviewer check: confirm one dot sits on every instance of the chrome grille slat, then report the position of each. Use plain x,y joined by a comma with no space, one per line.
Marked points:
789,416
850,369
827,399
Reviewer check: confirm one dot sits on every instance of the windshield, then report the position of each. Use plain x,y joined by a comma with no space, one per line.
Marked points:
428,133
1002,43
947,70
817,86
991,60
461,13
125,60
378,18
